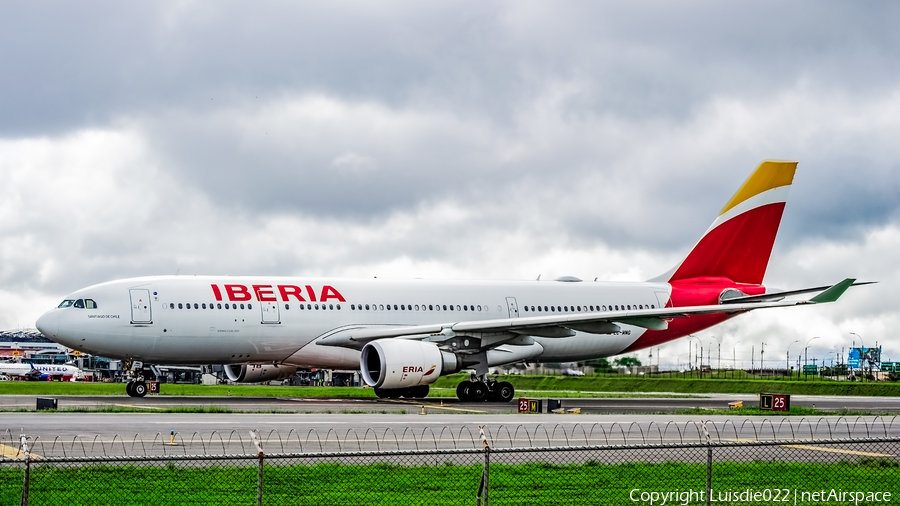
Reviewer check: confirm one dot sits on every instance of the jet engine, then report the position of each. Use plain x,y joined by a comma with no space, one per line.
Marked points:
257,373
401,363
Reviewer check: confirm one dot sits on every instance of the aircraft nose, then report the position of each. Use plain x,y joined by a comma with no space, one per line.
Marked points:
48,323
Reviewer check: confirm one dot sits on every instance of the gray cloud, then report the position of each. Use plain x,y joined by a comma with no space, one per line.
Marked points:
443,139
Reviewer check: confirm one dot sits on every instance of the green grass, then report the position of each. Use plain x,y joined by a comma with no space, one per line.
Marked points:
646,384
535,386
387,484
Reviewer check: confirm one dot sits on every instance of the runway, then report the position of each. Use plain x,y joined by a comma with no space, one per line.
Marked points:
323,425
642,405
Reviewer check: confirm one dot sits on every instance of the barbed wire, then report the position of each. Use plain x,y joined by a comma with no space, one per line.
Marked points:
550,435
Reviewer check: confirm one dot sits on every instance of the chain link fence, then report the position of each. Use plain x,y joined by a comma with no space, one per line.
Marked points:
712,470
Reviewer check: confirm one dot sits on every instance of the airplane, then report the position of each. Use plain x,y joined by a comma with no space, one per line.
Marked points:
403,334
39,371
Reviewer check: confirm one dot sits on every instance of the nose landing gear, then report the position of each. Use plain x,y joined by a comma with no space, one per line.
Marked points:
480,388
136,386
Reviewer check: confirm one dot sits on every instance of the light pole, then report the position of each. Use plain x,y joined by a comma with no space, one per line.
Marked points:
806,354
762,351
806,350
787,358
719,356
694,358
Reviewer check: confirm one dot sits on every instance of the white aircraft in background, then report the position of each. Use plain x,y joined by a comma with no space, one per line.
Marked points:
404,334
39,371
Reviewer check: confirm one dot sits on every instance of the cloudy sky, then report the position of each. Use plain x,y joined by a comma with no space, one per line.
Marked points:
495,140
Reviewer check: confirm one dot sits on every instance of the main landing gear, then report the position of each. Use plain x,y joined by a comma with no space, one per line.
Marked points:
416,392
483,389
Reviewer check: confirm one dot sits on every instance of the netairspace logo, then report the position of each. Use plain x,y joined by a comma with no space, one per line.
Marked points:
749,495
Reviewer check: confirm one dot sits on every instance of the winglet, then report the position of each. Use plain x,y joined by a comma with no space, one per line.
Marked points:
834,293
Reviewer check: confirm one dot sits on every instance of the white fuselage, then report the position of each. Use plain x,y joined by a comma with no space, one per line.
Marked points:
22,370
183,319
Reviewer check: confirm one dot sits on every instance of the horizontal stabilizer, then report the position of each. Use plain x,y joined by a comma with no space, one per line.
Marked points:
781,295
834,293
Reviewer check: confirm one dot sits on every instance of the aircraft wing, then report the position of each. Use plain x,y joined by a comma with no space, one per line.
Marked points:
564,325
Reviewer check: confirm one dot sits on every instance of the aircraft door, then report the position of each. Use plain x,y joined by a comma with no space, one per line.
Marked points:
270,313
513,307
140,305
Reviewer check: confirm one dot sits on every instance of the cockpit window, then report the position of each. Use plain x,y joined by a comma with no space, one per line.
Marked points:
90,304
66,303
79,303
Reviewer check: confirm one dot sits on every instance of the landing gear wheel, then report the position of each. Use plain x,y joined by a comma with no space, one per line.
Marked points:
463,391
139,389
504,391
417,392
478,391
381,393
129,388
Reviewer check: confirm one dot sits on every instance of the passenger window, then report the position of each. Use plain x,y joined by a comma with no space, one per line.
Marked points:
395,307
249,306
417,307
403,307
203,306
219,306
579,308
381,307
352,306
180,306
242,306
171,305
526,309
338,307
479,307
330,306
558,308
309,307
430,307
539,309
197,306
445,307
367,307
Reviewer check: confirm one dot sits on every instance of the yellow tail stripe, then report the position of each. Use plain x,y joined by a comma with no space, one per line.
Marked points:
768,175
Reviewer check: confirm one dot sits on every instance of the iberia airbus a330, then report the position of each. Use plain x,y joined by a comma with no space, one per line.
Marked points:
403,334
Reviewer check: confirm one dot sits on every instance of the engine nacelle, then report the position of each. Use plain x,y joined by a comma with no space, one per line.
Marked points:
257,373
401,363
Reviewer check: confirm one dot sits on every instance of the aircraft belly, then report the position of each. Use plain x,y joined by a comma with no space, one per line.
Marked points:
333,357
584,346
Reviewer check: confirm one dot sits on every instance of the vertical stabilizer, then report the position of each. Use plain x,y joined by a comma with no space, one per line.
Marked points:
738,244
